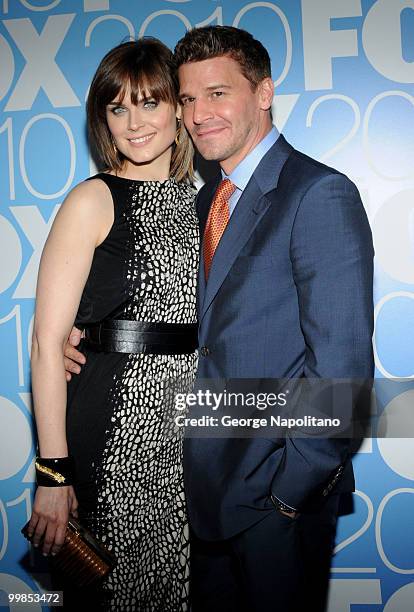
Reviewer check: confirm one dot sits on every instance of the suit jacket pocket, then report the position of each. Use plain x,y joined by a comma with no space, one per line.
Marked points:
251,263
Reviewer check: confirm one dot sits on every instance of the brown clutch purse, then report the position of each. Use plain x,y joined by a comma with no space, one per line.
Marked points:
82,559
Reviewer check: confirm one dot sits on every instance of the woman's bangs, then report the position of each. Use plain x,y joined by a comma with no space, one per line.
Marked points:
153,83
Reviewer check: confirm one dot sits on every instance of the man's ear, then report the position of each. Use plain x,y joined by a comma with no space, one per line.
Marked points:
266,92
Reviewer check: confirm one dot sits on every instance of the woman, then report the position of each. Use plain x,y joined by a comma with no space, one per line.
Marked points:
121,262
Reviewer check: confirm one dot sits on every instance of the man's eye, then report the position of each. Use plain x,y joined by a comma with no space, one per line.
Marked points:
186,101
217,94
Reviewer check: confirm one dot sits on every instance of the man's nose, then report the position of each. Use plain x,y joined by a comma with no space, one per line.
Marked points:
202,111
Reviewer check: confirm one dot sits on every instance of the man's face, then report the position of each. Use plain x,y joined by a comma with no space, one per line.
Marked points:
222,113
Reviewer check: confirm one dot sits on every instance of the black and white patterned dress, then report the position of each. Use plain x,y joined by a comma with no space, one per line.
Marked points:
129,480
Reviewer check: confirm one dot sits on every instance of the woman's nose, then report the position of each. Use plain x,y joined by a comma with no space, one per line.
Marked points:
135,120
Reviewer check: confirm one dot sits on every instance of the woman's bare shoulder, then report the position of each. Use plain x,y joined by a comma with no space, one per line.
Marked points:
93,189
89,197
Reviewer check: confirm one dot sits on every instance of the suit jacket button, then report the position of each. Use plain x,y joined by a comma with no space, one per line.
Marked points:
205,351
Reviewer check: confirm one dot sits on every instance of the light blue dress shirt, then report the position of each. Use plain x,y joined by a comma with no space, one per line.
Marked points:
243,172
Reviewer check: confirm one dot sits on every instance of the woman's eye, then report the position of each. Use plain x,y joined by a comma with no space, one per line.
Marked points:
117,110
150,104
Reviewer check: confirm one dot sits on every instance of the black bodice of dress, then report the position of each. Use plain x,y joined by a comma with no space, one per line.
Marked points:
146,267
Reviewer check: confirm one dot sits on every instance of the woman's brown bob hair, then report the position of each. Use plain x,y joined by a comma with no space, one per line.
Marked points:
146,65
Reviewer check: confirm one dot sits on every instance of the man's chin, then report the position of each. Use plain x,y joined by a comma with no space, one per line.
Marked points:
210,154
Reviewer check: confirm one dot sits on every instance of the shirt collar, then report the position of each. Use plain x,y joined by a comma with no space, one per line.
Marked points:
242,173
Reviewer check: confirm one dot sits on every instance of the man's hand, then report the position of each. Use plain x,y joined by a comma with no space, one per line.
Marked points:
72,357
291,515
282,508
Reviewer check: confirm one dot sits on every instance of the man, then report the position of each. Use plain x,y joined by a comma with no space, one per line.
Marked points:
285,291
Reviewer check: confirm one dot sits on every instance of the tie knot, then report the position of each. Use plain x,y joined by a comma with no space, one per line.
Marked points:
225,190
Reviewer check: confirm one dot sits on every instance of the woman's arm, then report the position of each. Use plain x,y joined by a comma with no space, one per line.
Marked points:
82,222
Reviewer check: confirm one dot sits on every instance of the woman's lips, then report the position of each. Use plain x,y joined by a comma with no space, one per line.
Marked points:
139,141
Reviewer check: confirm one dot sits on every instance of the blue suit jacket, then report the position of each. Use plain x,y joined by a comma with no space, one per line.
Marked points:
289,294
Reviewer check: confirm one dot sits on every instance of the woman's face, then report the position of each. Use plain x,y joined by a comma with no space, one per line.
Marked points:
143,133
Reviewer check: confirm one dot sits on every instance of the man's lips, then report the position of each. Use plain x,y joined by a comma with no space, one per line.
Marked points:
205,133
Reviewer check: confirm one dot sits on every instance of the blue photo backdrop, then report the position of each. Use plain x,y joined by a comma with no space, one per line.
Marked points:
344,74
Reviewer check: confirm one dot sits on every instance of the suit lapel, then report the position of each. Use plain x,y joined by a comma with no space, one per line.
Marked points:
203,203
250,209
247,214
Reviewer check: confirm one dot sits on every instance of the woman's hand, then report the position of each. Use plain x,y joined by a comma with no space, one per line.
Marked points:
51,509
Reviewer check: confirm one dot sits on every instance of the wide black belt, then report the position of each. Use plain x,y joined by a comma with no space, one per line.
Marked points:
120,336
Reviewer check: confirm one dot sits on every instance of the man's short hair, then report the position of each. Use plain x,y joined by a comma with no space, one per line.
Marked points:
216,41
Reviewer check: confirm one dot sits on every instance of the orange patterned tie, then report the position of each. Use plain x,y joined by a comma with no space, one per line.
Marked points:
218,217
